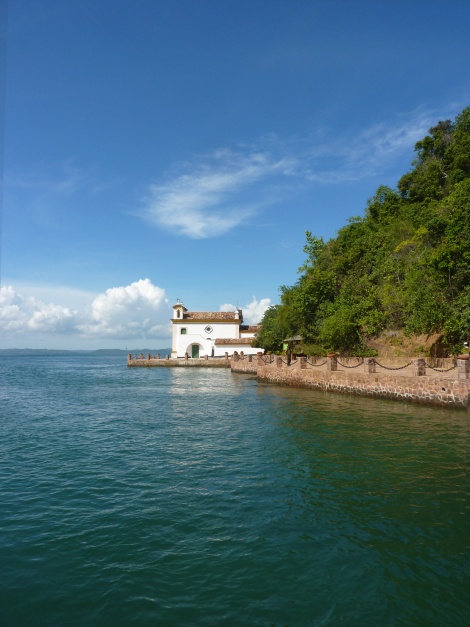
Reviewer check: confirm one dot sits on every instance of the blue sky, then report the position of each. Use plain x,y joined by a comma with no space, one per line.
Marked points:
156,150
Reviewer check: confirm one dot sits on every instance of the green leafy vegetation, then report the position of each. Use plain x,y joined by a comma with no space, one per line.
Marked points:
403,266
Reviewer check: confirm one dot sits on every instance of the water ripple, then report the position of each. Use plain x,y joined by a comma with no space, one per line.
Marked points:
201,498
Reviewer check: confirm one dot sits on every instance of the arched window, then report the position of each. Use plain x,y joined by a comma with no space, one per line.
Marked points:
183,331
178,313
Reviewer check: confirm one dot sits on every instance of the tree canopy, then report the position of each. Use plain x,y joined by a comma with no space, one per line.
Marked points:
403,265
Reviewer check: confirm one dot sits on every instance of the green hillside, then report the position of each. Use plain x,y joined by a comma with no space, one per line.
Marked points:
401,268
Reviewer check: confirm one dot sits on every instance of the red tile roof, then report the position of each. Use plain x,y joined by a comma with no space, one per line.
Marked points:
210,315
242,340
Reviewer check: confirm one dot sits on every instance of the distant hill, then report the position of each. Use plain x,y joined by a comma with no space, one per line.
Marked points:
101,351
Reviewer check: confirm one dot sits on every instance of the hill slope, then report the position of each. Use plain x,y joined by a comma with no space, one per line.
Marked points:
402,268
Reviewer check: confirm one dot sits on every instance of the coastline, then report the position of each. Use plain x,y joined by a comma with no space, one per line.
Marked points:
443,389
415,382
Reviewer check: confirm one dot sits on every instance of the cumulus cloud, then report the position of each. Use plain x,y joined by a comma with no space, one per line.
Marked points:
20,314
136,310
139,310
252,312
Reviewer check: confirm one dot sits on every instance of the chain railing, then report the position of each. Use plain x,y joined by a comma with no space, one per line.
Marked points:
310,363
346,366
441,369
267,359
391,367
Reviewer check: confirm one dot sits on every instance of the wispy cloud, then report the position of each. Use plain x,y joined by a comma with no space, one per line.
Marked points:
220,191
50,190
206,202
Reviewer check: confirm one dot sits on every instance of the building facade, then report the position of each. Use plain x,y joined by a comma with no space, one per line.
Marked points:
210,333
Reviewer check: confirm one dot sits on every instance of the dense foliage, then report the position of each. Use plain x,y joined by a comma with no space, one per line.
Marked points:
404,265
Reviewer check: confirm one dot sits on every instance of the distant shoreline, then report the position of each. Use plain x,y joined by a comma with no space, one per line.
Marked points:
99,351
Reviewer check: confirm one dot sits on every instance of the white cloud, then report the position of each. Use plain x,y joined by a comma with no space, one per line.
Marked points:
139,310
252,312
207,203
20,314
136,310
223,190
227,307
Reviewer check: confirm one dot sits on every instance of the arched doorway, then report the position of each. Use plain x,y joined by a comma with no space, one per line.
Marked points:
194,350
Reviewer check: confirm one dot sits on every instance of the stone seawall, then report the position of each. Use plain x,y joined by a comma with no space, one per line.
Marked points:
154,362
247,364
414,382
435,389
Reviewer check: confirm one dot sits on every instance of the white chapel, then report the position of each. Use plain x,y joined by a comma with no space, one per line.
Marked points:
210,333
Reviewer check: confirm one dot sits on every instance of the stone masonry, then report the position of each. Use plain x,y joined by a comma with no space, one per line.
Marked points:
435,389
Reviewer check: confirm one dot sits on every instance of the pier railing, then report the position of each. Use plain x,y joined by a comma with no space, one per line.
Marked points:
449,368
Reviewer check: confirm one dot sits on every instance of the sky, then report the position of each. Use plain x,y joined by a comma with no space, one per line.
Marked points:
156,150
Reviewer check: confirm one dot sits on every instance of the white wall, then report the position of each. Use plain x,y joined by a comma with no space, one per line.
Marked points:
195,334
219,351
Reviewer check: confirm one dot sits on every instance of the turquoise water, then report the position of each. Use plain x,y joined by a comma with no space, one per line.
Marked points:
197,497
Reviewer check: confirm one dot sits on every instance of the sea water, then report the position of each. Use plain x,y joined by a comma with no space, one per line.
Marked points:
173,496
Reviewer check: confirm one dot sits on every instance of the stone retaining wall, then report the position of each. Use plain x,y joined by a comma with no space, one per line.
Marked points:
415,386
168,362
430,390
247,364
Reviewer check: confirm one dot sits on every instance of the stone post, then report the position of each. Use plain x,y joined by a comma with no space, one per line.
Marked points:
303,363
158,355
148,356
260,359
419,367
129,357
235,356
463,369
369,365
226,356
206,357
250,358
331,364
242,354
141,355
167,357
278,362
186,356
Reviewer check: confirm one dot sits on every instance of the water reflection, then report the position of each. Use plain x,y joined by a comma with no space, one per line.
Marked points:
386,479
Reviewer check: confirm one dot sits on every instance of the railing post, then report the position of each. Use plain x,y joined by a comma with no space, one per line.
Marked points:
278,362
331,364
463,369
419,367
303,363
369,365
